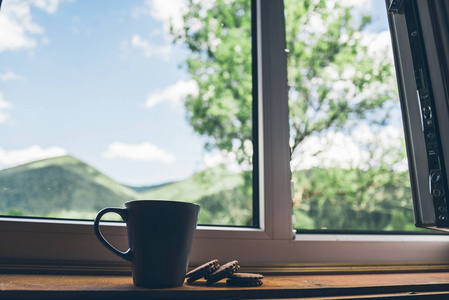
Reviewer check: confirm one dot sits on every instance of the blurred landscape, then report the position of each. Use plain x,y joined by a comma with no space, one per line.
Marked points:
65,187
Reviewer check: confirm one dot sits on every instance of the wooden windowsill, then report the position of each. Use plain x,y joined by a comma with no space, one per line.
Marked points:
17,286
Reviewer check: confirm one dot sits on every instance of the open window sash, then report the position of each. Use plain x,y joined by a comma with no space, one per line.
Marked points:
420,36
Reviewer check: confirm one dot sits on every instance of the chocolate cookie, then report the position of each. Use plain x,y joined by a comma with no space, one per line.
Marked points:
244,279
223,272
202,271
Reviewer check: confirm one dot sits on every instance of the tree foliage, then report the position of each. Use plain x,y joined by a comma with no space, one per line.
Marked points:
336,81
333,78
218,35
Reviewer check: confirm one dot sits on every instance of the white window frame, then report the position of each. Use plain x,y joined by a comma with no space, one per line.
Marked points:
74,242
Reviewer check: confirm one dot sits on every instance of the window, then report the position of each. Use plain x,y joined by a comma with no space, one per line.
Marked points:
128,103
349,166
50,241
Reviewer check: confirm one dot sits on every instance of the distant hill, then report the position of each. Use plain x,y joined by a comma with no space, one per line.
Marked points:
66,187
56,185
204,183
218,191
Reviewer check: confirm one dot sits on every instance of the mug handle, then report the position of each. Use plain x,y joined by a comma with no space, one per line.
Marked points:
127,255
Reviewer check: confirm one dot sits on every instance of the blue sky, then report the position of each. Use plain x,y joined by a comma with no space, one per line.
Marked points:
100,80
80,86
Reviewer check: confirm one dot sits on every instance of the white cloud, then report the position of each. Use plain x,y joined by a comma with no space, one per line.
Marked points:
10,76
4,107
167,12
363,148
140,152
335,149
49,6
174,94
228,159
378,43
15,34
13,158
17,26
148,49
213,159
386,145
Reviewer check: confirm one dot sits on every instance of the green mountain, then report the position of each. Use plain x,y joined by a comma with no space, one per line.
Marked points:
218,191
61,186
65,187
205,183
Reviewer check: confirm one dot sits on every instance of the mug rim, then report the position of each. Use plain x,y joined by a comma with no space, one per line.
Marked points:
161,201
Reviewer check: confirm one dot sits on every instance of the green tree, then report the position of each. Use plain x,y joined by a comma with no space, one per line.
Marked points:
335,82
330,69
218,35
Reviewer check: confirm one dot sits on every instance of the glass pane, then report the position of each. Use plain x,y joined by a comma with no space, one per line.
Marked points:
102,102
348,161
